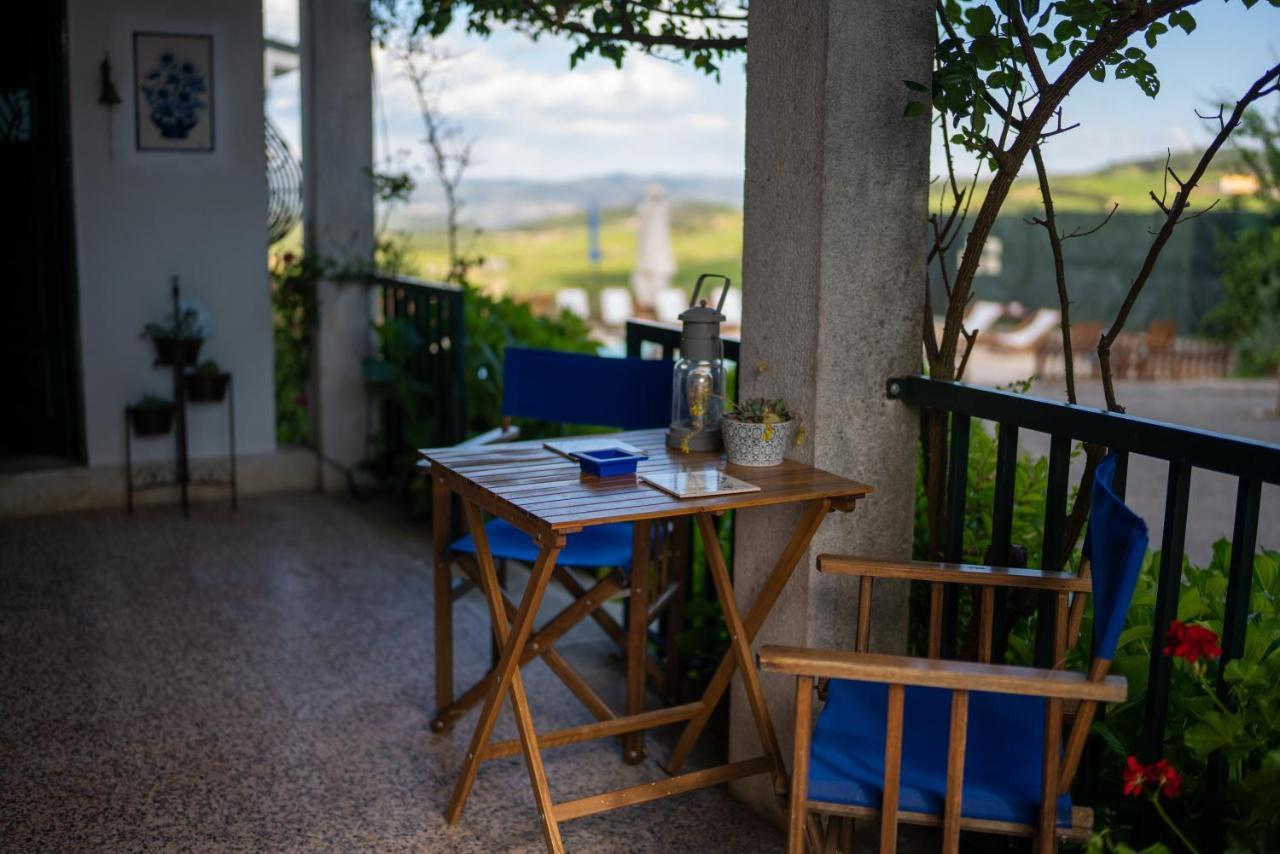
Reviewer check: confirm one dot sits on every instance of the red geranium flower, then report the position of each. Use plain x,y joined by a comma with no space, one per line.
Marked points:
1191,642
1166,778
1158,777
1135,777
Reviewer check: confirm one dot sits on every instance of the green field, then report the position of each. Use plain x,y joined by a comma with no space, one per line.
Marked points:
542,257
546,256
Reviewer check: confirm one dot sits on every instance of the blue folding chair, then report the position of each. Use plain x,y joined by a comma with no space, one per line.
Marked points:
572,388
961,745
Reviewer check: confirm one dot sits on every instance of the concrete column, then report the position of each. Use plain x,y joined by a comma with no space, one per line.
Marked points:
337,154
833,283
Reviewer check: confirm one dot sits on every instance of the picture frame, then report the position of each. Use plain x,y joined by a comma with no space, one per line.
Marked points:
173,92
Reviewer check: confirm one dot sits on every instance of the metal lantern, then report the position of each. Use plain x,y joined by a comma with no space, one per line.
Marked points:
697,382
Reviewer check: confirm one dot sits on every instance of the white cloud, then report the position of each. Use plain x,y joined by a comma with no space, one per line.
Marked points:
532,116
280,19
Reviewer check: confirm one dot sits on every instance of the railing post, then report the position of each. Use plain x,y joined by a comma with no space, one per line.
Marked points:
635,339
1002,527
1168,586
457,310
957,489
1051,550
1244,540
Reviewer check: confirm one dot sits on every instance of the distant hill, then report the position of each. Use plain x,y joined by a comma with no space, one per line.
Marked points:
498,204
1127,183
501,204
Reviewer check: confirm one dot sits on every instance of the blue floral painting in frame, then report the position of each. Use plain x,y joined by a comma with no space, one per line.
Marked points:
173,91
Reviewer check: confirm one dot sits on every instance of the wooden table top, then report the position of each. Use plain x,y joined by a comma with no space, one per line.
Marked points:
539,490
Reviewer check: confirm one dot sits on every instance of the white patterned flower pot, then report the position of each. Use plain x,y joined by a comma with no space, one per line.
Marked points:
745,443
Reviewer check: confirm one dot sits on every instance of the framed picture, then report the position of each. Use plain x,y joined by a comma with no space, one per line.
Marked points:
173,91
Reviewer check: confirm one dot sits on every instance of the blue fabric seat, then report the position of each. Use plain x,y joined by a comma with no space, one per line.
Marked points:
1004,752
573,388
596,546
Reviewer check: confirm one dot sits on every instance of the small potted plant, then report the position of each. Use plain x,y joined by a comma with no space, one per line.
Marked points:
152,416
178,338
757,432
207,382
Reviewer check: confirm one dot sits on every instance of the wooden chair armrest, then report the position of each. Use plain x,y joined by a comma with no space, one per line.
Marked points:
491,437
937,673
953,573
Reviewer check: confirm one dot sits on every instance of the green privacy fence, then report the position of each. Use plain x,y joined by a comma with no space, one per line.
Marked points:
1018,266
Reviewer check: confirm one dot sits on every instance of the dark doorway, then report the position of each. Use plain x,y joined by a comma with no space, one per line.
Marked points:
41,420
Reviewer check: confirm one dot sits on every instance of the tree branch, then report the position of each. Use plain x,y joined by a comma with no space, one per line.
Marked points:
1050,224
1263,86
1076,232
1028,50
640,37
1109,38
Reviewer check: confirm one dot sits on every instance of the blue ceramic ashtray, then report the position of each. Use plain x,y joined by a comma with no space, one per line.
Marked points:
608,462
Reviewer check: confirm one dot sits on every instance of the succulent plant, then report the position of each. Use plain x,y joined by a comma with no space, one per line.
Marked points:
761,410
152,401
208,368
184,324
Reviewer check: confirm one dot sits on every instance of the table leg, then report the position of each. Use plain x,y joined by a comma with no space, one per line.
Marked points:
441,499
741,648
773,586
508,676
633,750
540,643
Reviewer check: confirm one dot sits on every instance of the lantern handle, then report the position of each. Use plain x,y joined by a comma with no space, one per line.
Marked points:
728,283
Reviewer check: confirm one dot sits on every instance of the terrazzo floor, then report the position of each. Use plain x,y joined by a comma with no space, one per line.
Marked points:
260,681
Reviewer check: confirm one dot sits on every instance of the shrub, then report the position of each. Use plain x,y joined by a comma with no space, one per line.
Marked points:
492,325
496,323
293,319
1249,315
1248,734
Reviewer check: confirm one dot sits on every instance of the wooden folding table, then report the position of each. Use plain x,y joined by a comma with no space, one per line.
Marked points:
543,494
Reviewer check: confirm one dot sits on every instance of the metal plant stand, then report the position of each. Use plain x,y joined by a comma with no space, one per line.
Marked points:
182,469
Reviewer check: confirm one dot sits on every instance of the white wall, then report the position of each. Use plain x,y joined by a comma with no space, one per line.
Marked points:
144,216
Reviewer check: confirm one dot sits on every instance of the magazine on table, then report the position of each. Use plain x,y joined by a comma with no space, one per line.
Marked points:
697,483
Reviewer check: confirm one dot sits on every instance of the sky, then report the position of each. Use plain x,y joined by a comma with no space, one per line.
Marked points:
532,117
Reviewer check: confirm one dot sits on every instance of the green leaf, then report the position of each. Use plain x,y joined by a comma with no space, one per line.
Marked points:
986,52
1030,7
981,20
1265,569
1098,72
916,87
1108,735
1155,30
1184,19
1203,739
1214,731
913,108
1065,30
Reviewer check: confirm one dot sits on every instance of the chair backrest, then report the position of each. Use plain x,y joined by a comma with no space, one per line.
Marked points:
1116,544
1162,335
574,388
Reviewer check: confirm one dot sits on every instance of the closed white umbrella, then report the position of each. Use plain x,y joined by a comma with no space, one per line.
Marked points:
655,259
